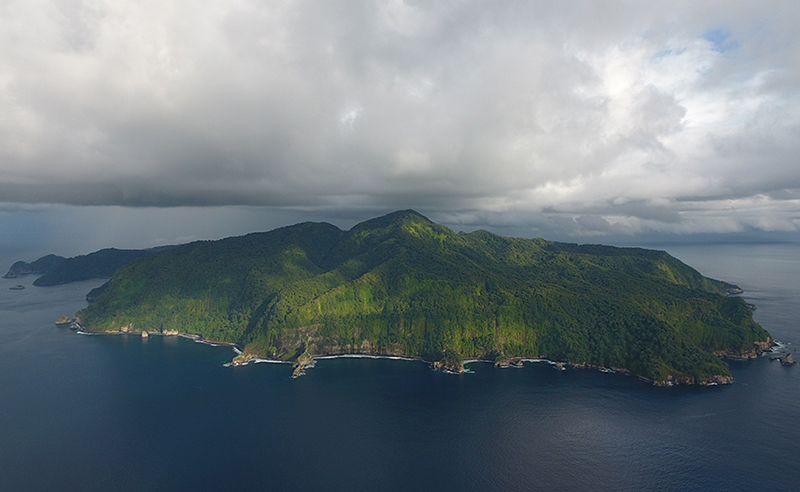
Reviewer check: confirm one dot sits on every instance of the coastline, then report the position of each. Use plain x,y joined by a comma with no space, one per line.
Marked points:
145,334
516,362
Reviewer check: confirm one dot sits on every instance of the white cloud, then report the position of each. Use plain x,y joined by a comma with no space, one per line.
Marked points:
350,116
585,117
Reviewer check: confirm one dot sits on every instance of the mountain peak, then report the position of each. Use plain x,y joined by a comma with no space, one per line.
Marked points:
397,217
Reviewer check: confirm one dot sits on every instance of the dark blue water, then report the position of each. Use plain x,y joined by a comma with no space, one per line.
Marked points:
86,413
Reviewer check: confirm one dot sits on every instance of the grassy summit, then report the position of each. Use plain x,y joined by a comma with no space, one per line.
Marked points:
401,284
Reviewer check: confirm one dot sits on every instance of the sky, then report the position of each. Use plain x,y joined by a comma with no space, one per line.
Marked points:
135,123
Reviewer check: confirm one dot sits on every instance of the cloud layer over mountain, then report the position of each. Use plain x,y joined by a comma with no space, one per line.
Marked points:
582,117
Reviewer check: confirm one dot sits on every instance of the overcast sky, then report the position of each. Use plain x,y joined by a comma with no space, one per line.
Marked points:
132,122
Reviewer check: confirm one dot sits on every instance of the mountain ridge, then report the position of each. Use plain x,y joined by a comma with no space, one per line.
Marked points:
57,270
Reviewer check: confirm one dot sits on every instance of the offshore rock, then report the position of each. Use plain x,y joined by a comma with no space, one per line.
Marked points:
305,360
450,365
788,360
17,287
64,320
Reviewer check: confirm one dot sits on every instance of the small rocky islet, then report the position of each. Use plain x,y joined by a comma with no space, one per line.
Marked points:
785,359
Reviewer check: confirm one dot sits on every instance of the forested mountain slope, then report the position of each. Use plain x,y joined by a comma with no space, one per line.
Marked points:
57,270
401,284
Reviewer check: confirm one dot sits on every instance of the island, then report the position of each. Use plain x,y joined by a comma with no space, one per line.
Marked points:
43,265
402,285
57,270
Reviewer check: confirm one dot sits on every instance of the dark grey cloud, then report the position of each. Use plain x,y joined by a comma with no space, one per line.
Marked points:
580,118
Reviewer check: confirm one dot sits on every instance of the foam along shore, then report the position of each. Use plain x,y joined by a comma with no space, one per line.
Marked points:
241,359
257,360
146,334
369,356
517,363
563,365
782,353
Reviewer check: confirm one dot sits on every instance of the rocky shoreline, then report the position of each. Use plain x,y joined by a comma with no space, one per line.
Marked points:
129,330
306,360
450,365
758,349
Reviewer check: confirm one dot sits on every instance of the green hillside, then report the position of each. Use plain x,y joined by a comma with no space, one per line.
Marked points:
57,270
100,264
403,285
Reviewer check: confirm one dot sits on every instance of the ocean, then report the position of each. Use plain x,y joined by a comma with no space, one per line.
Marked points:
95,412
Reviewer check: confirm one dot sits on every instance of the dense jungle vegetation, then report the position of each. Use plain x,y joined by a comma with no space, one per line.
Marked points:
401,284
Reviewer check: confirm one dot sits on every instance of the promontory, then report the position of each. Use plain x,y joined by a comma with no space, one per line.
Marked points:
403,285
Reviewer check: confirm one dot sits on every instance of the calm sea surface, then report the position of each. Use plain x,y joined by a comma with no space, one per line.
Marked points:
81,412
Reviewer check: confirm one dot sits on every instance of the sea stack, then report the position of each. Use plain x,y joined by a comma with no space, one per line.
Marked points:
304,360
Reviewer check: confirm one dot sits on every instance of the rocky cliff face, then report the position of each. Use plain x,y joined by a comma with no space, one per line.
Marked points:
758,348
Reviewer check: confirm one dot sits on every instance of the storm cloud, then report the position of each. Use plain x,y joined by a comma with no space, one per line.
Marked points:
586,118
